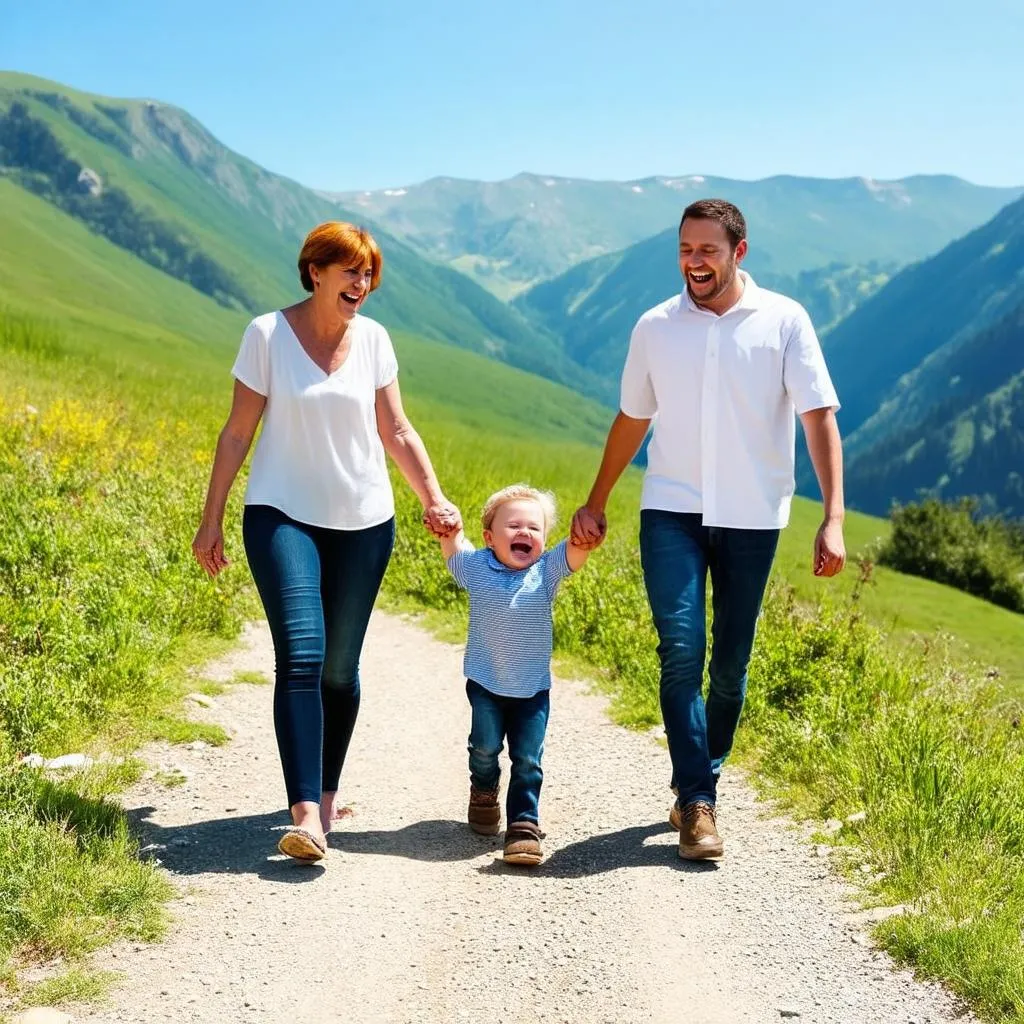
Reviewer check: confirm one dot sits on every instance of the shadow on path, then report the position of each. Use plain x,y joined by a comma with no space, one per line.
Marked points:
248,845
243,845
434,840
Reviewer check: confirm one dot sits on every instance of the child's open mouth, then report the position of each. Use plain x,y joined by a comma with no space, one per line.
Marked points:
520,547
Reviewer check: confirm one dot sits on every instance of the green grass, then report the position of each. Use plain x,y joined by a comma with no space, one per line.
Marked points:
170,779
251,677
76,985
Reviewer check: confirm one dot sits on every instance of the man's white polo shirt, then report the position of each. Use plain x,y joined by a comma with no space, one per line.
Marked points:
723,391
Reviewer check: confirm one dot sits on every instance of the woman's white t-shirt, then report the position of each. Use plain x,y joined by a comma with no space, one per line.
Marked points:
319,458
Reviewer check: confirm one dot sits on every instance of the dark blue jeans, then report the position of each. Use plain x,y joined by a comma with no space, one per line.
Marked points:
318,587
524,720
677,554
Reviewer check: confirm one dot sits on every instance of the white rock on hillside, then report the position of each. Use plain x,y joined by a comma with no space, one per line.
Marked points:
90,181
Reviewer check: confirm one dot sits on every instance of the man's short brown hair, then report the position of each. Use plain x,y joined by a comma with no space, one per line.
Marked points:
722,211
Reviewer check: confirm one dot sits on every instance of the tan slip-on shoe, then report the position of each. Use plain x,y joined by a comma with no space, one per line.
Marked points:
301,844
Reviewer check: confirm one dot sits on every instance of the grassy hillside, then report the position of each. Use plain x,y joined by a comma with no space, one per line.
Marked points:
172,194
510,235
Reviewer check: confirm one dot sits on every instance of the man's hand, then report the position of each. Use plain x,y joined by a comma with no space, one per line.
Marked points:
589,527
442,519
829,549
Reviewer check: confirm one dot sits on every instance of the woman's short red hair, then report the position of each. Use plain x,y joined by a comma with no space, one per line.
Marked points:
337,241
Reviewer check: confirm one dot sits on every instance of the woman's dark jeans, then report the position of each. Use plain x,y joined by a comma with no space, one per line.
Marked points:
318,587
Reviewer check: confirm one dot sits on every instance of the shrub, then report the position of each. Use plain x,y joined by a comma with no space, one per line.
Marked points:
950,543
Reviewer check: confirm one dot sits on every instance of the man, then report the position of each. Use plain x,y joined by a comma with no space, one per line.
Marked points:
722,367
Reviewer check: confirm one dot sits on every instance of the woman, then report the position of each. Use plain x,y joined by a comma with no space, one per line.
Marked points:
319,520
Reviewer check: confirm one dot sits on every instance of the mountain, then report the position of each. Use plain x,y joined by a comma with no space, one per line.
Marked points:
938,302
511,235
594,306
931,374
149,178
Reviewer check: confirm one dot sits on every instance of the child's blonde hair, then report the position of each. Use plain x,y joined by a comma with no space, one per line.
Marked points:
520,492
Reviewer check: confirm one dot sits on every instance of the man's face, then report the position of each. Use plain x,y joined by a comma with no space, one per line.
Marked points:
707,259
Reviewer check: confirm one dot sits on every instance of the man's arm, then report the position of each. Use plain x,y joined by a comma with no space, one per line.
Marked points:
826,450
624,440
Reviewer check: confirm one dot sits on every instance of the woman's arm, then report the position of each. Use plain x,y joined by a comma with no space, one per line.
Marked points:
406,448
232,447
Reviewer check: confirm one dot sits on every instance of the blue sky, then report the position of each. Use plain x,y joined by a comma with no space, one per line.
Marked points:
346,96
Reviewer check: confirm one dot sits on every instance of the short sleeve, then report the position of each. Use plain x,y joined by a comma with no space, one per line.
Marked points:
252,365
458,566
387,362
636,395
556,567
804,373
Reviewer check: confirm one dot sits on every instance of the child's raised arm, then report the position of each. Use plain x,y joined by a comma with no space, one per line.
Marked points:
575,556
457,541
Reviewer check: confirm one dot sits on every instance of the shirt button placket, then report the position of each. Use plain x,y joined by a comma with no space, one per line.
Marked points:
709,427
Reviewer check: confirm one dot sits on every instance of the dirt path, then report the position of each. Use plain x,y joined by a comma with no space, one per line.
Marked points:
414,918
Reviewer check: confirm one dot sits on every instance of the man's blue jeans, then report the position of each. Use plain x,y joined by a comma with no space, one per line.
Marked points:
677,553
524,720
318,587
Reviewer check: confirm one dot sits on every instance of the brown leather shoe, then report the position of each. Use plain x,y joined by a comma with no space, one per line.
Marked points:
675,816
698,837
484,813
522,844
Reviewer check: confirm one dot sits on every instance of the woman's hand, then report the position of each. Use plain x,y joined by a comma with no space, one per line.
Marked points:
208,548
442,518
589,528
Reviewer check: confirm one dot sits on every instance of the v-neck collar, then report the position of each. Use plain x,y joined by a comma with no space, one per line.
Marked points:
312,362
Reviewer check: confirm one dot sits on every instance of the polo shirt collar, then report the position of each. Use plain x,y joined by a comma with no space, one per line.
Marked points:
497,564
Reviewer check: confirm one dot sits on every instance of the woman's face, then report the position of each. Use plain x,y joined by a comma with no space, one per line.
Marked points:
341,286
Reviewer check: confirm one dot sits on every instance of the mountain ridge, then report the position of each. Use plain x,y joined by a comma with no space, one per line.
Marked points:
516,233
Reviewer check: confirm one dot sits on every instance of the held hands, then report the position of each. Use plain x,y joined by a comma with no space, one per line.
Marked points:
829,549
208,548
589,528
442,518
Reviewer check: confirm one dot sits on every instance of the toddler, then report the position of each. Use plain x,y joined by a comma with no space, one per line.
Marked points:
511,585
